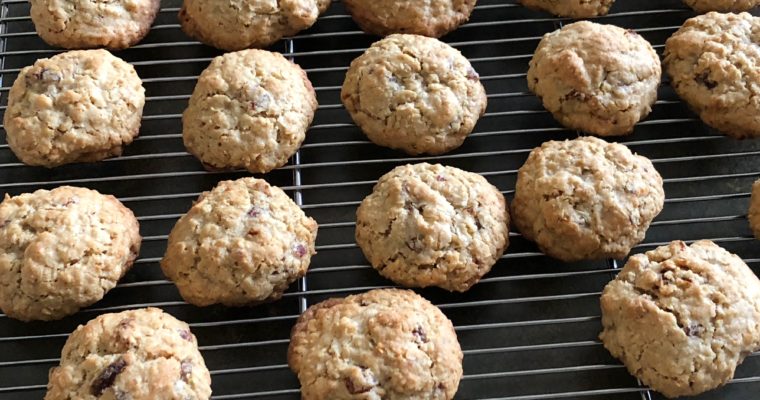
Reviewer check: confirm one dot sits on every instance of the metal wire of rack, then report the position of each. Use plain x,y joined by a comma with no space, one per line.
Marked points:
528,330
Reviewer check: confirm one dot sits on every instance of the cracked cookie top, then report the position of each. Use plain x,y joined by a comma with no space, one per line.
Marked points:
382,344
141,354
586,199
77,106
431,225
600,79
571,8
239,24
415,94
713,61
250,109
754,209
84,24
242,243
681,318
61,250
703,6
433,18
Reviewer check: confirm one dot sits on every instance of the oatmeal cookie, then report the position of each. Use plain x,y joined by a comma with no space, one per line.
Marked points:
382,344
703,6
430,225
433,18
571,8
61,250
754,209
681,318
600,79
78,106
586,199
250,109
242,243
141,354
415,94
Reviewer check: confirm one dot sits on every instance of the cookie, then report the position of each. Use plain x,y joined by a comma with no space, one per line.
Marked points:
242,243
712,62
433,18
703,6
385,343
250,109
754,209
681,318
571,8
76,24
78,106
430,225
415,94
599,79
240,24
61,250
141,354
586,199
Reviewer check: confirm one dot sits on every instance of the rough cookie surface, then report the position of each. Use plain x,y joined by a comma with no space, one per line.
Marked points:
713,61
586,199
703,6
433,18
596,78
239,24
78,106
62,250
242,243
681,318
430,225
382,344
84,24
754,209
250,109
414,93
142,354
571,8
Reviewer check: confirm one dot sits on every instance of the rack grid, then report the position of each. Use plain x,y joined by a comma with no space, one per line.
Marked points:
529,329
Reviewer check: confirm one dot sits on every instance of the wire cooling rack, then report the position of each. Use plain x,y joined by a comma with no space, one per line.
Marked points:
528,330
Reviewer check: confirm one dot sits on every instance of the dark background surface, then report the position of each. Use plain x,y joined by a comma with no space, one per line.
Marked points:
529,329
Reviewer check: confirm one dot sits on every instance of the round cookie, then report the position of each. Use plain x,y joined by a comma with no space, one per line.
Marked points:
239,24
712,63
250,109
385,343
85,24
571,8
415,94
703,6
242,243
754,209
433,18
61,250
141,354
78,106
681,318
586,199
600,79
430,225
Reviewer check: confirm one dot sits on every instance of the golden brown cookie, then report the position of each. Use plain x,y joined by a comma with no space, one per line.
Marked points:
430,225
571,8
415,94
703,6
586,199
142,354
86,24
599,79
712,61
433,18
242,243
250,109
754,209
681,318
61,250
382,344
78,106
